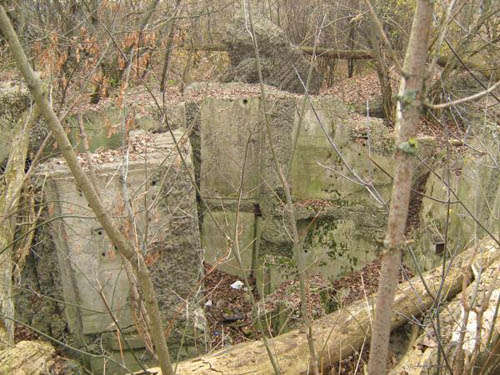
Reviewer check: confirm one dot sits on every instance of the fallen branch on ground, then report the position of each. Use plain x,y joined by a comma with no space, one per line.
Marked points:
352,327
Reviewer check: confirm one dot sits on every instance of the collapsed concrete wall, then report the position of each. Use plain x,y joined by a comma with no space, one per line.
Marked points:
340,221
103,127
281,62
471,167
474,209
159,217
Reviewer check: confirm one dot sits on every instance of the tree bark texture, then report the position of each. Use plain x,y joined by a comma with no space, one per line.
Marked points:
83,182
28,357
10,192
407,117
337,335
382,68
170,45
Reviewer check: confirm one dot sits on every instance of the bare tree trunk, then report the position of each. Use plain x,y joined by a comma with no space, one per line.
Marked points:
123,246
408,112
350,62
382,68
10,192
170,45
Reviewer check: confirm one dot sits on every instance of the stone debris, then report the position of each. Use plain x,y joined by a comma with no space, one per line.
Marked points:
141,147
281,62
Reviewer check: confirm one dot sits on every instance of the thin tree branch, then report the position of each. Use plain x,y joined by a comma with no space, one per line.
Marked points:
83,182
463,100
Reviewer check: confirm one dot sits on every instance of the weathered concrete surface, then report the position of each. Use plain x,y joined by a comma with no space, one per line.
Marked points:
165,228
350,228
230,144
341,222
476,181
14,100
318,170
271,270
222,252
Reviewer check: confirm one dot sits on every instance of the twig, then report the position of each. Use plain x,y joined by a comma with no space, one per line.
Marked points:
298,253
463,100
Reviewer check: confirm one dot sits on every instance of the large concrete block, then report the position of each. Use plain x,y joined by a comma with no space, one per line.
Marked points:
87,260
335,248
281,112
319,172
318,158
476,181
230,147
218,250
164,226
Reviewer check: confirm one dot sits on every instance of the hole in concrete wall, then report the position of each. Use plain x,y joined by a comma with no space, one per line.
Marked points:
439,248
256,209
245,101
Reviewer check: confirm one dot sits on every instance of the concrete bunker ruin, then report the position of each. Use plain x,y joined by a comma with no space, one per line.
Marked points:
228,156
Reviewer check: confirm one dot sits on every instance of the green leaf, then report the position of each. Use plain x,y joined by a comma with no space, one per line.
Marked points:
407,98
410,147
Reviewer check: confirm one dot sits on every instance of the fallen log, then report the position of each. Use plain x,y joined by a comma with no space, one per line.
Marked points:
27,357
339,334
347,54
479,347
